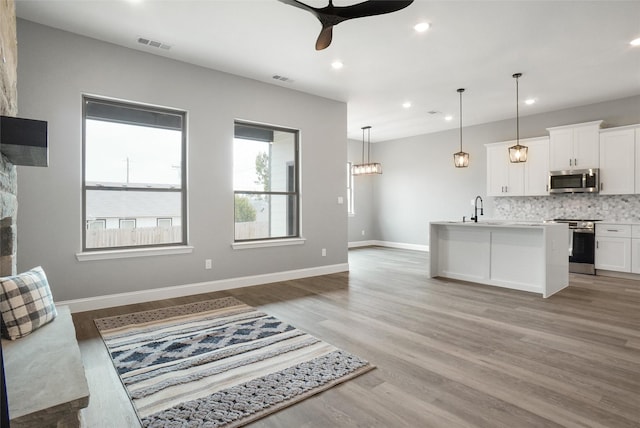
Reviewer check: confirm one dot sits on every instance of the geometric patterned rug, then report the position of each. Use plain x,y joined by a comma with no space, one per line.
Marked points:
218,363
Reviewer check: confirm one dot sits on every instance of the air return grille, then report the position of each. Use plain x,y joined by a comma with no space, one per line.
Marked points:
153,43
282,78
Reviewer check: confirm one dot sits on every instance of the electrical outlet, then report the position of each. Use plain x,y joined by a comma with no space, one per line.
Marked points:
362,232
340,200
207,264
324,252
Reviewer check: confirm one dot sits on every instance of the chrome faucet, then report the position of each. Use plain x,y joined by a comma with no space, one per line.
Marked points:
475,209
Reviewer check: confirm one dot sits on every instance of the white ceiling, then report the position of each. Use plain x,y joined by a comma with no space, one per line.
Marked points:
570,52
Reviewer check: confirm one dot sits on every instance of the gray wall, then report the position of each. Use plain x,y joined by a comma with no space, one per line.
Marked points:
55,68
420,183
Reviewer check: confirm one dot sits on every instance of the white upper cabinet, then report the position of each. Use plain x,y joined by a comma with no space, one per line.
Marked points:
617,161
637,171
518,179
574,146
503,177
496,171
536,168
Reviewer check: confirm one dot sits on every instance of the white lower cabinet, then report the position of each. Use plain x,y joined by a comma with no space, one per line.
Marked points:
635,248
613,247
635,255
613,254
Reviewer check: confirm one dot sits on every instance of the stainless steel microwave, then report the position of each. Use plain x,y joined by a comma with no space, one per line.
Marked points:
574,181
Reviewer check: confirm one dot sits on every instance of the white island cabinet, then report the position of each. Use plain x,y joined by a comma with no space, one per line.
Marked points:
524,256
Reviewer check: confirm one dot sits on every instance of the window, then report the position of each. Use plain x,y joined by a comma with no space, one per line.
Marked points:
97,224
134,169
127,223
164,222
350,189
265,182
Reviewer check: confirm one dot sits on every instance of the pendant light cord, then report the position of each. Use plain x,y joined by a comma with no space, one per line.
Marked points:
363,145
460,91
368,128
369,145
517,76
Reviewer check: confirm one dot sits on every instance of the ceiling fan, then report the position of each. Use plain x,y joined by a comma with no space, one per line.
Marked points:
331,15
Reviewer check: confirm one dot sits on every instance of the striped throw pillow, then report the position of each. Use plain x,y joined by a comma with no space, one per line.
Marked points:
26,303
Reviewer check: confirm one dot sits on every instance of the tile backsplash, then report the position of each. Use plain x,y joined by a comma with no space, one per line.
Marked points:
620,208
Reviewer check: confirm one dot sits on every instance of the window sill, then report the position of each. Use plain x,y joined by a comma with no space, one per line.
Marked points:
133,252
270,243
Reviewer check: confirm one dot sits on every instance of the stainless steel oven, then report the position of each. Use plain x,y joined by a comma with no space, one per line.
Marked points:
582,247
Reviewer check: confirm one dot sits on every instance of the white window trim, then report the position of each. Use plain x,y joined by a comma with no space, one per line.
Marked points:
244,245
133,252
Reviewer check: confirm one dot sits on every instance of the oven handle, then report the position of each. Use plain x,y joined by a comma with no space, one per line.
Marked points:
570,243
587,231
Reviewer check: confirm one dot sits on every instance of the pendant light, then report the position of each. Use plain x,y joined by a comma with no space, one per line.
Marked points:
517,153
369,167
461,159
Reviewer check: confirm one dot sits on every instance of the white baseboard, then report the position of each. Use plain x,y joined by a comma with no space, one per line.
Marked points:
356,244
614,274
108,301
400,245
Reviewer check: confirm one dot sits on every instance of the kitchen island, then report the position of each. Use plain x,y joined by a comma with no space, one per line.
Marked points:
523,256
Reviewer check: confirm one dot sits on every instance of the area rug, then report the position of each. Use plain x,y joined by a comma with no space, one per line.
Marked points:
218,363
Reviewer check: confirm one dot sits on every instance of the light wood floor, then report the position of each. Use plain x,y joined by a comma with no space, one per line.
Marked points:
448,353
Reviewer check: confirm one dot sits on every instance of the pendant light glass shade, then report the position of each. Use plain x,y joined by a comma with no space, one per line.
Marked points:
461,159
368,167
517,153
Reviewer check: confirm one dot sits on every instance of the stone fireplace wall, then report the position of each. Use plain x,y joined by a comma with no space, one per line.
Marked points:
8,107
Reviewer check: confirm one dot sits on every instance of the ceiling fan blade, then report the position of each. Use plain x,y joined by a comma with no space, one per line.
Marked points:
370,8
331,15
300,5
325,37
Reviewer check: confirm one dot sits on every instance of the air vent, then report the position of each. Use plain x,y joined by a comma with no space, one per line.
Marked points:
153,43
282,78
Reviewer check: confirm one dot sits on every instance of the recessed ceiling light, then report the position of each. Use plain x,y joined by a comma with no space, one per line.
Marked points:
406,104
635,42
529,101
421,27
448,117
337,65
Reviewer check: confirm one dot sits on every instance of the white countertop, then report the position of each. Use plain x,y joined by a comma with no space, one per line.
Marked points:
499,223
632,223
